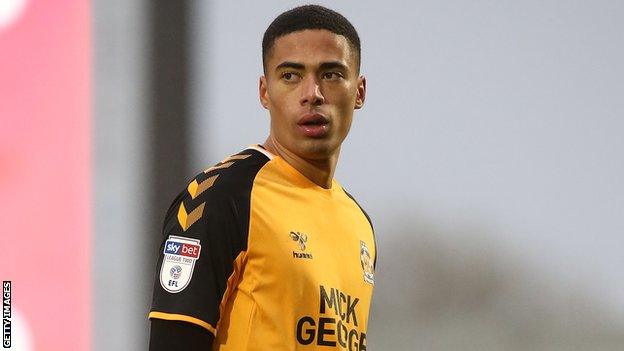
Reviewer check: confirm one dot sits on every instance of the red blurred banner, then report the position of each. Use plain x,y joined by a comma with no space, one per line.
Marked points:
45,207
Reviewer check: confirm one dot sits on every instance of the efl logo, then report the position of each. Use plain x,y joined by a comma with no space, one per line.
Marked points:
174,247
178,262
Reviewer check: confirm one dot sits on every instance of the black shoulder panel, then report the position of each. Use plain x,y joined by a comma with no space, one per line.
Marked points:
221,190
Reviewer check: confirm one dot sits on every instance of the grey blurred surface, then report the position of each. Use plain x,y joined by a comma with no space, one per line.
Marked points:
489,155
120,282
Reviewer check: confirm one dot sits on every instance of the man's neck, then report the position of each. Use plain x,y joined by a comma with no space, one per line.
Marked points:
320,172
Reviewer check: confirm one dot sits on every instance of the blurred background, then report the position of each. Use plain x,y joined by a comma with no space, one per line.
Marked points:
489,154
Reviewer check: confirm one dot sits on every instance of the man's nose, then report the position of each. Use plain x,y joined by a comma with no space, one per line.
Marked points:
311,93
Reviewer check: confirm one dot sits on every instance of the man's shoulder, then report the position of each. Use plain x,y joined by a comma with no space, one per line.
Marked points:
220,189
228,179
359,206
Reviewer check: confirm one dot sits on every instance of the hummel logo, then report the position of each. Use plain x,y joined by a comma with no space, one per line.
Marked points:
301,238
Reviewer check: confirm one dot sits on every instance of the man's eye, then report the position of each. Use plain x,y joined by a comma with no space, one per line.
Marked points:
289,76
332,76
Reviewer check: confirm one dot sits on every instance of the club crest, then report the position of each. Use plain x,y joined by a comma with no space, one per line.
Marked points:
367,264
180,254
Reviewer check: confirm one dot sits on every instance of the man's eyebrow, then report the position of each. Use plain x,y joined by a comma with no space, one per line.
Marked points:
333,65
288,64
323,66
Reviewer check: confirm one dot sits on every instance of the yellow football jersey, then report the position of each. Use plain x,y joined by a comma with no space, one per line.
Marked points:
265,259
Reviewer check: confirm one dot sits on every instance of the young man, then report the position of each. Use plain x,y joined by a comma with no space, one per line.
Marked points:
265,250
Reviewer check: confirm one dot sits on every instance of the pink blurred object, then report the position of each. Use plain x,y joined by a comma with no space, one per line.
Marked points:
45,208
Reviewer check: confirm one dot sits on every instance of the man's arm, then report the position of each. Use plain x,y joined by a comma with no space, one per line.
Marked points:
178,336
204,241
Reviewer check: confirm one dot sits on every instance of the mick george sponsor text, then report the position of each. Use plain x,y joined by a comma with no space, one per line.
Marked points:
338,324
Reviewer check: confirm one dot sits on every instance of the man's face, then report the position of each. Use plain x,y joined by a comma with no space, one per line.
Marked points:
311,87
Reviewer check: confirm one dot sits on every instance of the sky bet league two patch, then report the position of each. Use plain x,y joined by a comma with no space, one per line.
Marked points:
177,265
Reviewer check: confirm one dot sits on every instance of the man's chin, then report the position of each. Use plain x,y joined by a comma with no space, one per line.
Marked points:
316,150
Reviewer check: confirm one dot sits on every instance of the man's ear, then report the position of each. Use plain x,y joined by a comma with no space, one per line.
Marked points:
263,93
361,93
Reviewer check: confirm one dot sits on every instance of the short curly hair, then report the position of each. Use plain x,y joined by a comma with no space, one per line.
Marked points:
310,17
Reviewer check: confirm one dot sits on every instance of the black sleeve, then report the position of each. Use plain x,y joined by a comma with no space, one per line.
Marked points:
203,244
178,336
198,254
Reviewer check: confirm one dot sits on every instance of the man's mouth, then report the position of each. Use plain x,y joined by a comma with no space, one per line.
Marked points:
314,125
313,119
